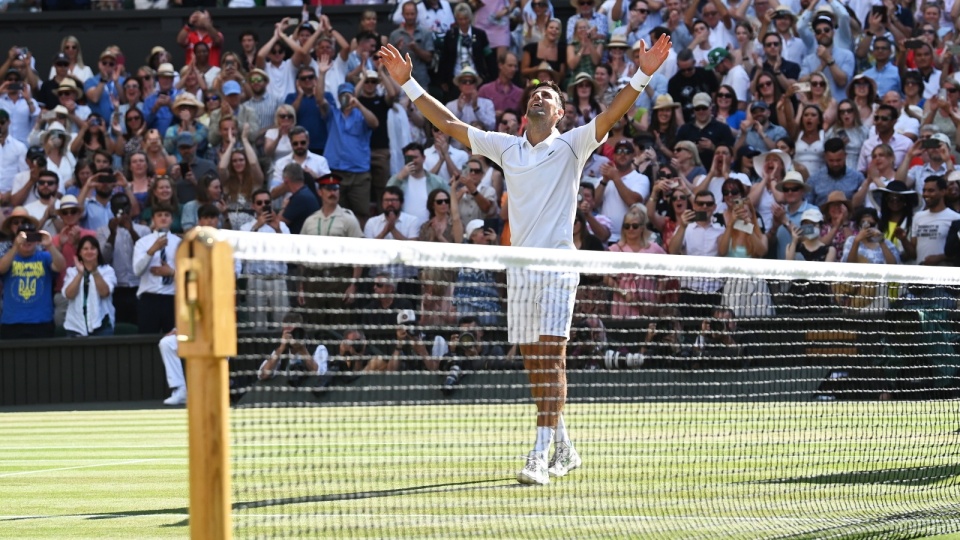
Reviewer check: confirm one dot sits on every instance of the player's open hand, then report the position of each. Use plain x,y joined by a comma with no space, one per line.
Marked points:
397,65
650,60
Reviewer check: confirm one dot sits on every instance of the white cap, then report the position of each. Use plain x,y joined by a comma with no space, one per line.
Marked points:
472,226
406,316
812,214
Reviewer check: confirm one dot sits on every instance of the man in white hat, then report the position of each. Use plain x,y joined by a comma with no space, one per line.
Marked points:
67,241
936,152
102,89
469,107
541,171
794,191
157,108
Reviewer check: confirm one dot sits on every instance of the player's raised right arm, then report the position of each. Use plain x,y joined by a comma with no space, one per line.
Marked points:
400,69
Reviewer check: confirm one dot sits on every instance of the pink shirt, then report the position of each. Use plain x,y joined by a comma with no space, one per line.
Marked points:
502,100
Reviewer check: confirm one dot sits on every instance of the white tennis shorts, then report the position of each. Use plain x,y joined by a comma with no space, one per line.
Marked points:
539,303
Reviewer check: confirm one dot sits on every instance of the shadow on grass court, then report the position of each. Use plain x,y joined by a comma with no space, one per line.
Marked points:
908,476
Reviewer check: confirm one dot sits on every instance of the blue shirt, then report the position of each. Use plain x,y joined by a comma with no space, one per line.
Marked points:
348,145
96,215
162,119
845,61
28,290
887,79
104,107
822,184
308,116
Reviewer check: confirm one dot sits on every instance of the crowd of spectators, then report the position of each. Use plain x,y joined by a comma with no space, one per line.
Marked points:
811,130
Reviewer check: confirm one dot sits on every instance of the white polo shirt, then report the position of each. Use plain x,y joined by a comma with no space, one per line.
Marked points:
542,181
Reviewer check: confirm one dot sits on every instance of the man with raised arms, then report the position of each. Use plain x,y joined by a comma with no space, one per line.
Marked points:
542,172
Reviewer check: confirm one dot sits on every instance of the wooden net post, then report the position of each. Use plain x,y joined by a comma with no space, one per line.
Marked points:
207,336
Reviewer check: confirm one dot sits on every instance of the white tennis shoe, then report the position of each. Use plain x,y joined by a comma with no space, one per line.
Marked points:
178,397
565,459
535,471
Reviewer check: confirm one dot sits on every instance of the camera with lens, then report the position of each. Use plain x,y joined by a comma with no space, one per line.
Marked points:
453,378
298,334
467,340
622,360
717,326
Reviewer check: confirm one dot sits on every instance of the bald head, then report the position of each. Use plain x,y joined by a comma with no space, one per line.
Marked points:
893,99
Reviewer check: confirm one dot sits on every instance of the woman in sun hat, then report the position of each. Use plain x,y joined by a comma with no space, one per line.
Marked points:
896,203
663,121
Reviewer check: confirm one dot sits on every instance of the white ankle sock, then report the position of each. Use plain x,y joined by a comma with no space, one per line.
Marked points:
544,436
561,435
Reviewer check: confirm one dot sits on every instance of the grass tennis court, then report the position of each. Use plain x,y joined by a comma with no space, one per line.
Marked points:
666,470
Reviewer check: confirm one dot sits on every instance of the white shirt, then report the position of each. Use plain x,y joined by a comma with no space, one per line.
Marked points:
21,119
13,159
316,163
321,356
335,77
415,198
702,241
142,262
265,268
431,157
97,306
283,148
485,113
408,225
37,208
283,79
907,125
738,79
542,181
614,207
930,230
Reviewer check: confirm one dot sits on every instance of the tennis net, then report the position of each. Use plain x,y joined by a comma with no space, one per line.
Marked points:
707,397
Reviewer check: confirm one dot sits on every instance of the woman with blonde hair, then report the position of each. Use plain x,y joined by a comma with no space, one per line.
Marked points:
70,46
820,96
743,237
585,51
547,49
634,294
536,15
849,128
276,140
686,160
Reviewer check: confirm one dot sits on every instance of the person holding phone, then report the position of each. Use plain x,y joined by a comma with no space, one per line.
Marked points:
416,182
27,273
698,234
266,289
293,345
869,245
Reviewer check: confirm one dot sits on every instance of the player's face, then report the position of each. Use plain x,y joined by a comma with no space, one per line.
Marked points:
544,104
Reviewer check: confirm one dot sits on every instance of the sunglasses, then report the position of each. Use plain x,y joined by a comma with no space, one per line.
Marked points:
257,79
792,189
147,77
285,116
953,90
765,84
62,64
724,96
845,111
929,31
307,78
728,192
212,98
586,2
623,151
137,117
67,93
772,44
468,81
880,118
701,108
628,226
131,87
475,171
681,198
820,31
703,203
109,64
644,11
70,211
16,222
539,4
371,81
298,143
261,202
441,201
46,182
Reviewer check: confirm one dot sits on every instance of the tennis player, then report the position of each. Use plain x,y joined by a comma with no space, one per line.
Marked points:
542,172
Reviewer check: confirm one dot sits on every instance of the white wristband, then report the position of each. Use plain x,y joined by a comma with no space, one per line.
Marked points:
639,81
413,89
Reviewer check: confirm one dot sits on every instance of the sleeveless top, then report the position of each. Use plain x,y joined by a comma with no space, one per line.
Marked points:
820,254
810,155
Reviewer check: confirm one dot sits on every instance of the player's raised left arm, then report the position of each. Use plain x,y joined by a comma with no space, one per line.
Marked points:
650,61
400,69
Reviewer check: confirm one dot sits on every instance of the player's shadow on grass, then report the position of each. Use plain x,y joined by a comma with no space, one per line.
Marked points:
336,497
909,476
117,515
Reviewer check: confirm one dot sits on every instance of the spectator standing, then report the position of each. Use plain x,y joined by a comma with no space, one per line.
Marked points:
884,73
272,59
350,126
88,287
70,47
634,295
117,240
629,186
884,119
267,296
930,226
416,183
734,76
103,90
312,164
44,208
233,105
28,274
191,168
157,107
306,101
443,222
276,139
264,104
441,158
17,101
249,44
415,40
835,62
704,130
502,91
689,81
789,212
302,202
13,158
835,176
187,109
587,12
47,96
464,45
154,260
697,234
377,93
469,107
936,149
95,198
199,29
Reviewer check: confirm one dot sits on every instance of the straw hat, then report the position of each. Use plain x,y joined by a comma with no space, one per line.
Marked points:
187,99
545,66
166,70
618,41
468,71
18,212
69,84
581,77
793,177
760,160
834,198
665,101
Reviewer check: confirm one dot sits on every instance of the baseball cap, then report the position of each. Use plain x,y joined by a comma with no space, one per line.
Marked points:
717,55
4,115
107,53
371,74
61,58
472,226
812,214
346,88
185,139
623,144
702,99
406,316
231,88
942,138
759,104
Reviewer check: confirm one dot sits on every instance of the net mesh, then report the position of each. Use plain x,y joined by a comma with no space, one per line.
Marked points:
708,397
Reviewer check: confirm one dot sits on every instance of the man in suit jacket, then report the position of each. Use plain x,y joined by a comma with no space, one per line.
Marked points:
464,44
